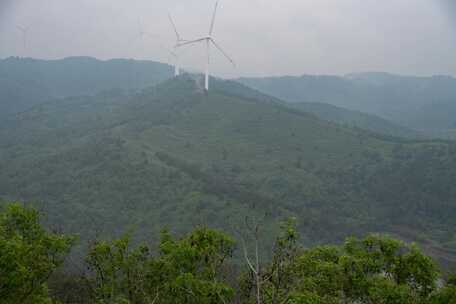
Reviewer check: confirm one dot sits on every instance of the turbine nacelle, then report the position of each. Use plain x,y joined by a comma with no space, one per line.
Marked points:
209,40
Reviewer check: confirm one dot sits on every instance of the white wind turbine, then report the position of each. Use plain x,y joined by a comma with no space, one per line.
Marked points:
208,40
174,52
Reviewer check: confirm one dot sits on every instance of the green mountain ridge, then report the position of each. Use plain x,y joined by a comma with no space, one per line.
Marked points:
175,156
26,82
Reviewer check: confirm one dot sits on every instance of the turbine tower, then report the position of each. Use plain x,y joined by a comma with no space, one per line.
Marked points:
208,40
24,30
174,52
142,32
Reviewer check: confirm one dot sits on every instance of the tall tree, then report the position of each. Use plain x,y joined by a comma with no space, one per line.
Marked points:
375,269
28,255
186,270
273,282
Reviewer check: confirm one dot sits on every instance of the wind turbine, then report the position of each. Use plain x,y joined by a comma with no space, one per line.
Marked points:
208,40
24,30
174,52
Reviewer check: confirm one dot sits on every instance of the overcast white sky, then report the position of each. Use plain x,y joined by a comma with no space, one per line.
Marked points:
265,37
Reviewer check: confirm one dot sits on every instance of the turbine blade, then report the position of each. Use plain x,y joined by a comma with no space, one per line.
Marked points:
190,42
211,29
223,52
174,27
22,29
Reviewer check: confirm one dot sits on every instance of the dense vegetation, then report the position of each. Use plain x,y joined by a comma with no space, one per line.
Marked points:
28,256
427,104
197,268
175,156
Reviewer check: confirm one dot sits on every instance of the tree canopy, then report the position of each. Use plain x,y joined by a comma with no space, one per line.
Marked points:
28,255
197,268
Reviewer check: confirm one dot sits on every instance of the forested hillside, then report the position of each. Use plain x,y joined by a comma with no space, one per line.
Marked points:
175,156
422,103
25,82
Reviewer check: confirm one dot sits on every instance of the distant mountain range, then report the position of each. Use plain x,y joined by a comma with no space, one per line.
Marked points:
175,156
356,119
25,82
426,104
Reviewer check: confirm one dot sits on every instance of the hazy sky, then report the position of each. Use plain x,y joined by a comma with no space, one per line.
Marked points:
265,37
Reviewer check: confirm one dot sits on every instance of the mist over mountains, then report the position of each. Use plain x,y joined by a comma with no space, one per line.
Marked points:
215,152
409,106
426,104
173,155
25,82
399,106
